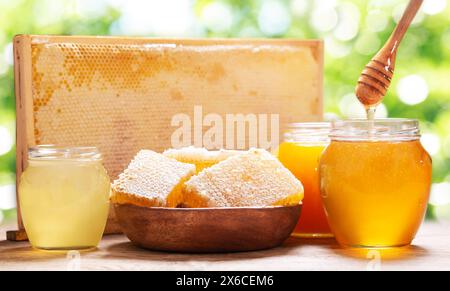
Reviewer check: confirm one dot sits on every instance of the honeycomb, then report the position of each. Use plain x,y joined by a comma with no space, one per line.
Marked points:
254,178
200,157
120,94
151,179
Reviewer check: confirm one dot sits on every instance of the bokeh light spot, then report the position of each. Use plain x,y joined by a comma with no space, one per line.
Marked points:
162,18
273,18
8,54
376,20
299,7
440,194
412,89
6,140
217,16
432,7
8,197
348,24
431,143
324,16
336,48
367,43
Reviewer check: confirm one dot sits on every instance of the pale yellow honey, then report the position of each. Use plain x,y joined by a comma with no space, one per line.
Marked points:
64,203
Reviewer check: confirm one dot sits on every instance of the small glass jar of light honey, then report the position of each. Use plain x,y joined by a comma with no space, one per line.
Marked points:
64,197
300,152
375,181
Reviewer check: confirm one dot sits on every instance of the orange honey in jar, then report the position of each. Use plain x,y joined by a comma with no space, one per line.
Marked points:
300,153
375,182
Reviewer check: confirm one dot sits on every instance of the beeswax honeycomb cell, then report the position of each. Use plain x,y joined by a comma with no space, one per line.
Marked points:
150,180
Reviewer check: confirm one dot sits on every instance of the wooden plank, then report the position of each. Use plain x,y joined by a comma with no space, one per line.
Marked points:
17,235
430,251
21,235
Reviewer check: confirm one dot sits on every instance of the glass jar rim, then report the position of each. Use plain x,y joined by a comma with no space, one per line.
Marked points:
54,152
308,132
396,129
309,125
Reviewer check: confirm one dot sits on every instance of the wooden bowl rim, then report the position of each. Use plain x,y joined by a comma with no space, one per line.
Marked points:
213,208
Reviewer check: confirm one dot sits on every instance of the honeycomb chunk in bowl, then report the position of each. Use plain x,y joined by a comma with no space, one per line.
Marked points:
254,178
151,180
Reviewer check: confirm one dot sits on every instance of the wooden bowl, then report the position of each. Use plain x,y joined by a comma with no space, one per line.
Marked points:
207,230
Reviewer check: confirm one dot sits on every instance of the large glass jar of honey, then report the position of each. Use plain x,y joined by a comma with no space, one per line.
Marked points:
64,197
300,152
375,181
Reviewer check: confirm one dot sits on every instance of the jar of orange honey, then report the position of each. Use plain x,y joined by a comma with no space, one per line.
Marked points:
300,153
375,182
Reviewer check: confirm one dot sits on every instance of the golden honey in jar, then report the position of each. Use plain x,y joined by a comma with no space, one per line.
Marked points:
64,197
300,153
375,182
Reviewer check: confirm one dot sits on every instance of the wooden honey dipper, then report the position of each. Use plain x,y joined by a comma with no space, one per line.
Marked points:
376,76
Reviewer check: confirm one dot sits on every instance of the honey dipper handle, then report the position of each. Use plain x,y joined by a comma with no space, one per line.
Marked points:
402,26
377,75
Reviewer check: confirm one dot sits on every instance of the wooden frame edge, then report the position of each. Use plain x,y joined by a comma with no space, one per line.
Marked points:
24,108
86,39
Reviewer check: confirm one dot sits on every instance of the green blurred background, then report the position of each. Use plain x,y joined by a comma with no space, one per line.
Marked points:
353,31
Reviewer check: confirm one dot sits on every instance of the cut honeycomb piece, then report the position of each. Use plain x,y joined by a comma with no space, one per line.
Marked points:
151,180
200,157
254,178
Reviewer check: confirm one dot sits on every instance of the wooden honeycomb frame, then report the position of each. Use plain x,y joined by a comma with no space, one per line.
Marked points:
66,86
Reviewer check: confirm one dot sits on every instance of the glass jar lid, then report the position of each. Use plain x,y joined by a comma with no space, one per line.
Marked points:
53,152
390,129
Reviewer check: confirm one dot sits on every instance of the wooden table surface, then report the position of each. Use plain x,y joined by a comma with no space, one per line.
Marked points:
430,251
